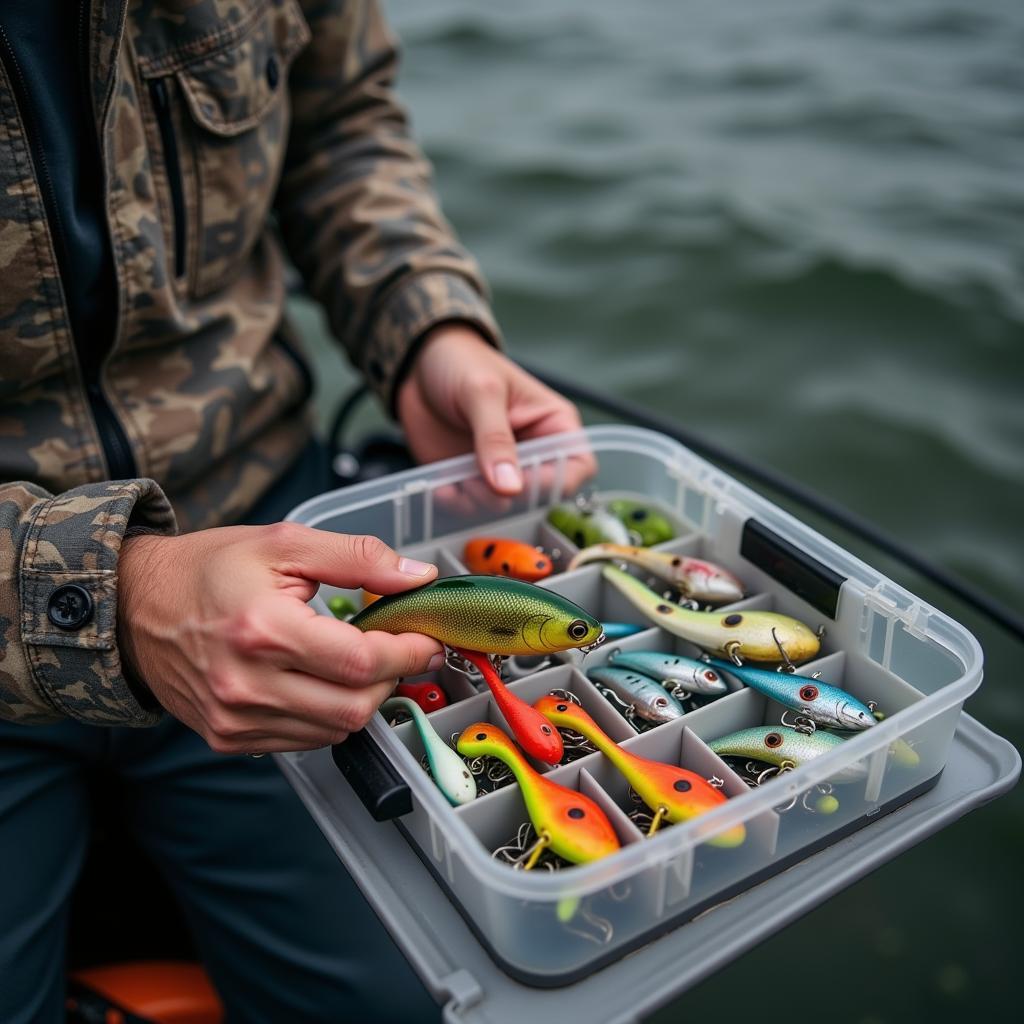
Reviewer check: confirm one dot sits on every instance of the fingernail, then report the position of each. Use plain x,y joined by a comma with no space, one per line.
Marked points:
413,568
506,477
435,662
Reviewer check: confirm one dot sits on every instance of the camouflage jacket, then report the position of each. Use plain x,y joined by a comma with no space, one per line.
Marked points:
214,118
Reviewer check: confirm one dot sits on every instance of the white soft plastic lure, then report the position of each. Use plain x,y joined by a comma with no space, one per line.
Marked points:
450,773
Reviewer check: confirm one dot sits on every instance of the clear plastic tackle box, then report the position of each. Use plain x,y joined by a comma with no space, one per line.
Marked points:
573,927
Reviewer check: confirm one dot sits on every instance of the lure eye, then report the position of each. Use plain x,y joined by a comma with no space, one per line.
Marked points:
773,739
732,620
576,812
546,729
481,735
561,707
681,786
660,702
710,676
808,692
663,608
676,562
540,565
578,629
433,695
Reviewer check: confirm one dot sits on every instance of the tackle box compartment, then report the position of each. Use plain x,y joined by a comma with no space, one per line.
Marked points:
554,928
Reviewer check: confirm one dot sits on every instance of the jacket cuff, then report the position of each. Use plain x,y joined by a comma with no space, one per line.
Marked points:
418,304
68,583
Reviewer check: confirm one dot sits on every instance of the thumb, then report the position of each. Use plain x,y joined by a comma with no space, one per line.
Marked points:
493,440
353,560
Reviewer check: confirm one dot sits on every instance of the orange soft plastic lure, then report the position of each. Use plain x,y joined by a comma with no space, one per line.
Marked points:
429,696
673,793
501,556
530,728
567,822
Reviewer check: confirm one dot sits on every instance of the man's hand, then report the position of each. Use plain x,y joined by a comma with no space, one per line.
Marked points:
216,624
463,395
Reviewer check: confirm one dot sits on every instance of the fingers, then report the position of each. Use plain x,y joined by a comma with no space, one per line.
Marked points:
318,714
486,409
341,653
346,560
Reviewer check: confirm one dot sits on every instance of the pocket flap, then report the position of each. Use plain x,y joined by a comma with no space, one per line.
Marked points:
229,91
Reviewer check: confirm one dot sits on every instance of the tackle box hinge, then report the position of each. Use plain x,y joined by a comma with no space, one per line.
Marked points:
464,991
913,616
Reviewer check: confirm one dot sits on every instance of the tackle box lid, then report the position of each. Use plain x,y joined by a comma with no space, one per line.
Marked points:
473,990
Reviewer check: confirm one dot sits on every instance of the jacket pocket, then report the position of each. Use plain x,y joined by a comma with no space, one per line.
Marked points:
229,133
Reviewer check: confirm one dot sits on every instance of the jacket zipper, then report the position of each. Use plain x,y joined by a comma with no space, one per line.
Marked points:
172,162
113,440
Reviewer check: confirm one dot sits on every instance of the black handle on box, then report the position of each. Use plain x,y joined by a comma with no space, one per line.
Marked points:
384,792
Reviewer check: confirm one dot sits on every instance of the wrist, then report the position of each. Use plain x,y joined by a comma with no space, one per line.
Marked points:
138,573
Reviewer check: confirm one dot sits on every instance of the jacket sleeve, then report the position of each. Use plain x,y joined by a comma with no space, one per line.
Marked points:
356,206
58,600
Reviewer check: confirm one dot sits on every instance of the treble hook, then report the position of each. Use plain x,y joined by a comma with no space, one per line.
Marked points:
800,723
716,783
565,695
732,649
790,667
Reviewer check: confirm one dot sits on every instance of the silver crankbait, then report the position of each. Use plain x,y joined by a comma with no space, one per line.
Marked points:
686,673
449,771
785,748
822,703
649,701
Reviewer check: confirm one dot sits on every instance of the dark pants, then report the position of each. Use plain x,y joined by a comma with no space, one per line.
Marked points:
282,929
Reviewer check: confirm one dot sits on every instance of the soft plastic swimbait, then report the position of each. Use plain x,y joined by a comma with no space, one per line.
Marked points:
449,771
692,577
501,556
821,702
751,635
643,520
530,729
650,701
567,822
485,613
785,747
587,526
676,792
687,673
429,696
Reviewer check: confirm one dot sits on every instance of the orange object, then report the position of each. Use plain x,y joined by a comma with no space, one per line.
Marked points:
500,556
164,992
670,790
369,598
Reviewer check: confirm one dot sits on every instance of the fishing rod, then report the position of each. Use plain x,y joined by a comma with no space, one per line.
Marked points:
829,509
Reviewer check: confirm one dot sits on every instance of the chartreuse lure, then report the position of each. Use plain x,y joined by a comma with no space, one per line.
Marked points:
530,729
485,613
693,577
449,771
785,748
749,635
566,822
673,793
688,674
821,702
643,520
586,526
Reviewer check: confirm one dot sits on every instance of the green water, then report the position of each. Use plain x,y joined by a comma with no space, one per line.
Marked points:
797,225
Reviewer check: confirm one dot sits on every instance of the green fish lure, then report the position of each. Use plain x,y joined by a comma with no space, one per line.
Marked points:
490,614
643,520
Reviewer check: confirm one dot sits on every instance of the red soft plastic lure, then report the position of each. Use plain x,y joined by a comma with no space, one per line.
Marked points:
428,695
530,727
